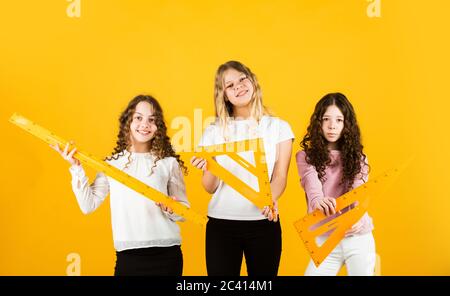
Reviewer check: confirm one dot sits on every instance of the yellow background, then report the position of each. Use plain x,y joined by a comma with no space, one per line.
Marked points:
75,75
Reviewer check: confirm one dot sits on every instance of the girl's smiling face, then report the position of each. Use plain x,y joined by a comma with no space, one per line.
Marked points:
332,125
238,88
143,126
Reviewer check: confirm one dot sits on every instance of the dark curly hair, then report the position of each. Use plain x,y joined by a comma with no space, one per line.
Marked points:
316,146
159,145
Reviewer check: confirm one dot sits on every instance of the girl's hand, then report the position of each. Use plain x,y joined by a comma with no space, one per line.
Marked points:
165,208
327,205
199,163
271,215
356,228
68,156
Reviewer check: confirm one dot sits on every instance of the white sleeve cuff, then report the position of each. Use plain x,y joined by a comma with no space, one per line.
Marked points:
174,217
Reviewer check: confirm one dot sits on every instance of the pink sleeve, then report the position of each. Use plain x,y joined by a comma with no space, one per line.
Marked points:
309,180
360,179
367,223
363,176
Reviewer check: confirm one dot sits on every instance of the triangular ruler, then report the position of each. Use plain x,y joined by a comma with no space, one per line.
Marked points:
316,223
261,197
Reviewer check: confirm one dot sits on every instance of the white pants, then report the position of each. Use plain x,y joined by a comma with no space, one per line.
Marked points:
356,252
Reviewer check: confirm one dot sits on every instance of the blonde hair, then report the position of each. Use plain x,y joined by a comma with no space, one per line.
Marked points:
224,108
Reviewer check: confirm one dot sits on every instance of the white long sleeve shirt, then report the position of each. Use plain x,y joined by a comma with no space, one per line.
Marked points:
137,222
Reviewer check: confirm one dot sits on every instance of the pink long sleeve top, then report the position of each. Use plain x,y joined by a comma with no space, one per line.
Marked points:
331,186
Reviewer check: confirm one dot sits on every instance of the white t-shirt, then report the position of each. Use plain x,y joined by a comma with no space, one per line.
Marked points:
137,222
227,203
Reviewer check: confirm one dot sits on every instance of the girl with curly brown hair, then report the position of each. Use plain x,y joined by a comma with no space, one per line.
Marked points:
146,238
332,163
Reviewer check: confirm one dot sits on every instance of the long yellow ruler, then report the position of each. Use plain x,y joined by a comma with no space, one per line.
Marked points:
107,169
350,208
261,197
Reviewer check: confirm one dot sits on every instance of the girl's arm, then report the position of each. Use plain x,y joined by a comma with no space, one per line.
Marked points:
363,176
209,181
310,181
365,224
281,168
279,177
176,189
89,197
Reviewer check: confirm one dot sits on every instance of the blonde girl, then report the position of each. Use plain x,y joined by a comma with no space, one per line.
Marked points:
236,227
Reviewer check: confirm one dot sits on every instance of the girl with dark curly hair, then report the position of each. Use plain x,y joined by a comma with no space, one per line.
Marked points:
146,238
332,163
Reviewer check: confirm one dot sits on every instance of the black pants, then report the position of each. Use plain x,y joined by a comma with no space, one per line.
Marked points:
150,261
227,240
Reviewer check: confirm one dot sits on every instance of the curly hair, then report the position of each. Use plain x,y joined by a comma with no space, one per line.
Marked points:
159,145
316,146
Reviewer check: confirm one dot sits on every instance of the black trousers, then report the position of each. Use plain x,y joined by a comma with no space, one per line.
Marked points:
154,261
228,240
